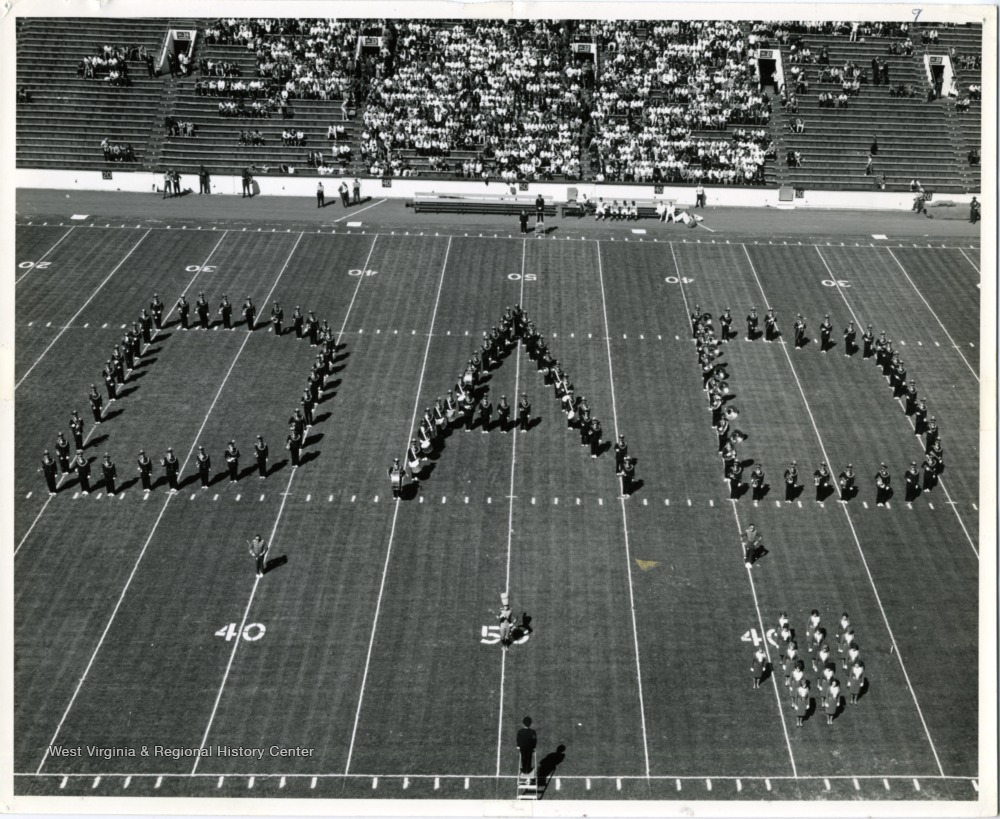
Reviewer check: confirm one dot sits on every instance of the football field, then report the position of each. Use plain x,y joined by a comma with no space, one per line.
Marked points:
365,662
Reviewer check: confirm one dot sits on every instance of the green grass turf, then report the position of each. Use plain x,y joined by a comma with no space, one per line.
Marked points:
372,654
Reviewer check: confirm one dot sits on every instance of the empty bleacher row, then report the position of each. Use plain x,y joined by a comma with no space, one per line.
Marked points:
918,139
68,116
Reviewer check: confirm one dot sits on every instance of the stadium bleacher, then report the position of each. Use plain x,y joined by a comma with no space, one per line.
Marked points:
666,103
68,116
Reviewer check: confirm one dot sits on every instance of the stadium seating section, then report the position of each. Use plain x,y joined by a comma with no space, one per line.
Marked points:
670,102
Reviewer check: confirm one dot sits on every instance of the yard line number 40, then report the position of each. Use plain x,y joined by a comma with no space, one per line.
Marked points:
251,632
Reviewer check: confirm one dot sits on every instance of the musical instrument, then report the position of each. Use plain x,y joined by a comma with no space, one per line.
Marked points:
731,413
397,479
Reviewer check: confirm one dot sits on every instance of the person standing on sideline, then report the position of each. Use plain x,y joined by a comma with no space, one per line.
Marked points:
145,470
320,196
96,403
974,209
260,453
759,666
396,473
699,196
258,550
247,184
204,181
48,468
110,472
527,740
232,456
523,218
539,214
357,191
344,198
204,467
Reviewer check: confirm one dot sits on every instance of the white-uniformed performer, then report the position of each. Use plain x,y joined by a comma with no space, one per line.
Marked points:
413,460
396,478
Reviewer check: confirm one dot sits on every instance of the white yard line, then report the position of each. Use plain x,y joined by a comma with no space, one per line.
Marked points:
847,514
274,528
40,513
628,555
941,483
510,509
94,426
166,503
104,634
232,366
355,212
570,777
395,515
201,267
974,265
40,258
917,291
82,308
753,587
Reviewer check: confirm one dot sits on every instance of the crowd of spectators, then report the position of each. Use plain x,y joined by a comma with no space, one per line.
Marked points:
511,89
256,109
218,68
177,128
666,81
254,137
117,151
110,64
307,58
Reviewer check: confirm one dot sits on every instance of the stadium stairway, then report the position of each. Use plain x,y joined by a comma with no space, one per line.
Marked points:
917,139
961,41
215,144
63,124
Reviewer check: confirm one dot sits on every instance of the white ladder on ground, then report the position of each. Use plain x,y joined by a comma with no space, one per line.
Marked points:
528,786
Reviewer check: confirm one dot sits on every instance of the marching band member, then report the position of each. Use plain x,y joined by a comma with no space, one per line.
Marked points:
396,478
413,460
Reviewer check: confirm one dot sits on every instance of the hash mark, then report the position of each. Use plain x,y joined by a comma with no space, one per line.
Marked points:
313,783
767,784
826,784
886,783
97,781
708,784
238,497
857,787
128,781
219,783
159,781
916,785
281,784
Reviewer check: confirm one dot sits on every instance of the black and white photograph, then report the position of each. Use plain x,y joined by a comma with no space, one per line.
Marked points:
433,408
